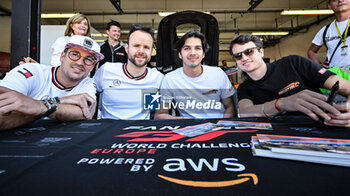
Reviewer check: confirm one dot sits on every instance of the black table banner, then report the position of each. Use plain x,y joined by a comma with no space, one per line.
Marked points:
110,157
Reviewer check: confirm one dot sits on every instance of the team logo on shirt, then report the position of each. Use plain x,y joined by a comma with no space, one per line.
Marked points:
25,72
322,71
289,87
116,83
151,101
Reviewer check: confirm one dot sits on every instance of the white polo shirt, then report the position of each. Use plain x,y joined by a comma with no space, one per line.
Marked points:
121,93
39,81
200,96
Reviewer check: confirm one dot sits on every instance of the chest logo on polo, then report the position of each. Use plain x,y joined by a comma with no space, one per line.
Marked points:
120,53
116,83
290,86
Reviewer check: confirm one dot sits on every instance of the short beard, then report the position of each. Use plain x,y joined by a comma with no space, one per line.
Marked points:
134,62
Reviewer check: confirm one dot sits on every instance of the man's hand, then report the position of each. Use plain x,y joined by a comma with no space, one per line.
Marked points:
27,60
342,119
15,101
84,101
310,103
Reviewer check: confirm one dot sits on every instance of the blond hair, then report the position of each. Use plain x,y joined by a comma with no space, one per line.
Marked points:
76,19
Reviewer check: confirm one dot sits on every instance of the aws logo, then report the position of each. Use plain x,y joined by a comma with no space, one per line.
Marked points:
230,164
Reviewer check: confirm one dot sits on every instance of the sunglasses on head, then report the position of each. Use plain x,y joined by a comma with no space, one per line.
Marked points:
247,52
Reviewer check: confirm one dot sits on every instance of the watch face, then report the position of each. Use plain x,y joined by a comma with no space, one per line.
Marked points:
51,106
51,101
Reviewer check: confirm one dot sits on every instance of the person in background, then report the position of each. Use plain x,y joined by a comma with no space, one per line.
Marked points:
122,84
198,84
78,24
290,84
224,65
31,91
334,37
113,49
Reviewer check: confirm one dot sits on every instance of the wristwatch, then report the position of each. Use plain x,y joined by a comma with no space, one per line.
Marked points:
51,105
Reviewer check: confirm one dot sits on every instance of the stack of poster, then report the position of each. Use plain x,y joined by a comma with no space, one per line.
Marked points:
308,149
200,129
244,124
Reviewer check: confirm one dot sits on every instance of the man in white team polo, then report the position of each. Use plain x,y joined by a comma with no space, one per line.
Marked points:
31,90
122,85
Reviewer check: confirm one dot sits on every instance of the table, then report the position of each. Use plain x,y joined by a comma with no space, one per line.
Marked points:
109,157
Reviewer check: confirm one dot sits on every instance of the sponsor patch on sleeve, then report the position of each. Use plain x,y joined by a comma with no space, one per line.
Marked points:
25,72
322,71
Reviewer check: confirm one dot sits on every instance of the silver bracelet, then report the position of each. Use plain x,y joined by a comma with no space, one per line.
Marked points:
263,110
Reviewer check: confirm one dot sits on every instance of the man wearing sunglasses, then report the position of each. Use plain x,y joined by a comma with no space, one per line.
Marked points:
197,91
290,84
31,91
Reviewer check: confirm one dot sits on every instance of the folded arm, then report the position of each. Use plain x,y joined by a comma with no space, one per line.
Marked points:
17,109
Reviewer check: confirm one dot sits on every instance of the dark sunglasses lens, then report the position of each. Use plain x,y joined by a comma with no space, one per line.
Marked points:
237,56
248,52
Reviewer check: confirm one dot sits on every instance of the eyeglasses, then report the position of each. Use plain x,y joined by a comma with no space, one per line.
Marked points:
75,55
247,52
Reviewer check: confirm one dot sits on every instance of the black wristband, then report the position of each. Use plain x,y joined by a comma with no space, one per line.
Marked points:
51,107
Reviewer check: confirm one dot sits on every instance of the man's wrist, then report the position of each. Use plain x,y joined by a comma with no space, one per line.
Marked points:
51,106
278,106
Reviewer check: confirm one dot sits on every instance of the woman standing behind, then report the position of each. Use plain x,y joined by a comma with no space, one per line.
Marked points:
78,24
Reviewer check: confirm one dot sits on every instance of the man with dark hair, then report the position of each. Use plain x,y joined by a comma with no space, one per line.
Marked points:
290,84
121,85
31,90
113,49
224,65
199,91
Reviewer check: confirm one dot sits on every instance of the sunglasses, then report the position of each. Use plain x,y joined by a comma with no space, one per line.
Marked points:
247,52
75,55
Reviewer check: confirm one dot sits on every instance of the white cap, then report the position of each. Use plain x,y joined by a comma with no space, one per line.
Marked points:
86,43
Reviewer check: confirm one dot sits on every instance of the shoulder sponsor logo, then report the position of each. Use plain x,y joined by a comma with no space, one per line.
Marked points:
289,87
25,72
322,71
